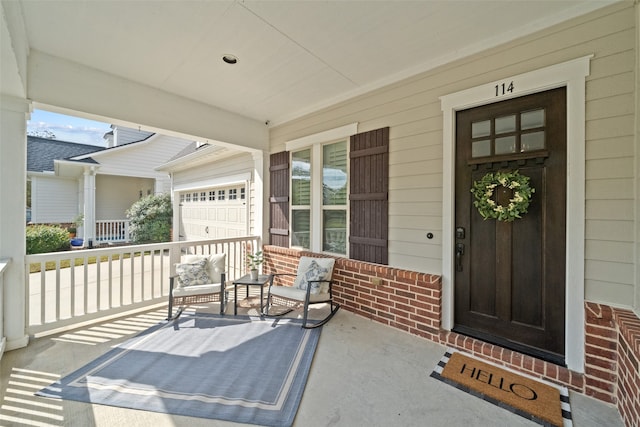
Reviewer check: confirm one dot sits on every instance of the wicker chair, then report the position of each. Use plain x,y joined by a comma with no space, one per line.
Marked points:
200,280
312,285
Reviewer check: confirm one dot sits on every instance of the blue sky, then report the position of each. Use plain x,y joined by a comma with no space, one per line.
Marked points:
68,128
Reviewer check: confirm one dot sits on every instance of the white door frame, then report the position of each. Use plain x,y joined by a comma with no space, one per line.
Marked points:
571,74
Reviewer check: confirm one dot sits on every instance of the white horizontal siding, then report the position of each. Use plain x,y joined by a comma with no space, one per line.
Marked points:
55,200
412,110
236,165
617,294
141,159
116,194
610,188
124,135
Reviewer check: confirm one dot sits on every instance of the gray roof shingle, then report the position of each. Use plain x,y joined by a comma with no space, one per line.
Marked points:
41,152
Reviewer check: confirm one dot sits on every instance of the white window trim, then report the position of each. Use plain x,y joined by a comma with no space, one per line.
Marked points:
316,207
571,74
315,142
322,137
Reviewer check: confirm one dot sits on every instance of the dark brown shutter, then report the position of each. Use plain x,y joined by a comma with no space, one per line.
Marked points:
369,187
279,199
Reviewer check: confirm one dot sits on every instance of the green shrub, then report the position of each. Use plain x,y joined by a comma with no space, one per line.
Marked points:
150,219
46,238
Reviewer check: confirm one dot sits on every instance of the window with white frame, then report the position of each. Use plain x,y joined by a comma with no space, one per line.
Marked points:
319,195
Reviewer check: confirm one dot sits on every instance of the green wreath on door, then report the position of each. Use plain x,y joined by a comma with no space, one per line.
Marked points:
484,191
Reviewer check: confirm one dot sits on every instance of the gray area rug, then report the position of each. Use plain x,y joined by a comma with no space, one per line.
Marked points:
239,369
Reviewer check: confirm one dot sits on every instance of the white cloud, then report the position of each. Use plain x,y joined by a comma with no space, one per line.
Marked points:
68,128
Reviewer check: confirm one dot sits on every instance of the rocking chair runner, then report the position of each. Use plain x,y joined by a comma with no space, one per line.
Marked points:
200,279
312,285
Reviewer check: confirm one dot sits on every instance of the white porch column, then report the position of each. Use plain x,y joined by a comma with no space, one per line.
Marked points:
14,113
259,199
89,208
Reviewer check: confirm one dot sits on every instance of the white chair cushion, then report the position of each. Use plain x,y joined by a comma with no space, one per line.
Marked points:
297,294
197,290
310,268
215,266
192,273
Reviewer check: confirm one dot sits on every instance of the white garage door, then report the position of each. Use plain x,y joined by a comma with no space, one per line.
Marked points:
213,213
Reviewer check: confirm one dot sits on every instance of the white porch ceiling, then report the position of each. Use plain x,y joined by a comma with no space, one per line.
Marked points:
293,57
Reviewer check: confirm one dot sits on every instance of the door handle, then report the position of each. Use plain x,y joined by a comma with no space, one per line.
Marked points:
459,253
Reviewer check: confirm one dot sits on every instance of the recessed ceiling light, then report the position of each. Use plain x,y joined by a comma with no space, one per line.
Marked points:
230,59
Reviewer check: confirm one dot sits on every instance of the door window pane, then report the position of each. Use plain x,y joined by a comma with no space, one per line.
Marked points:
480,129
532,119
301,226
505,145
481,148
334,174
301,178
532,141
506,124
334,226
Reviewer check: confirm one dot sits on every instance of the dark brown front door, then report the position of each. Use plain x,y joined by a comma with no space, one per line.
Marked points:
510,276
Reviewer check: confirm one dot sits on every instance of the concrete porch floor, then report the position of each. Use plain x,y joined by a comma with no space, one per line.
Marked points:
363,374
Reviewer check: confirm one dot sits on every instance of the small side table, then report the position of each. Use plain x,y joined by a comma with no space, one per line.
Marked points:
247,281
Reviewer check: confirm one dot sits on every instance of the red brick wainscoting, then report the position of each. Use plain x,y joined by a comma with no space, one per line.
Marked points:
628,389
403,299
600,352
412,302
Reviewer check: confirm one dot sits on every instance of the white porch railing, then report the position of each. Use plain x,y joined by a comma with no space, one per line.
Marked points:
67,288
116,230
4,262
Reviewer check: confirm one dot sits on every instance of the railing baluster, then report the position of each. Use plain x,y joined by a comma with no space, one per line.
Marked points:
121,259
131,284
142,275
98,285
72,296
110,273
43,293
85,285
152,269
57,287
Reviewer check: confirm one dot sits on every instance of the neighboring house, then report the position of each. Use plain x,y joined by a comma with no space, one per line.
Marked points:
70,179
54,198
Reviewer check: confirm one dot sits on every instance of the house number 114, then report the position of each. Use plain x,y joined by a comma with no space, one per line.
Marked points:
504,88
